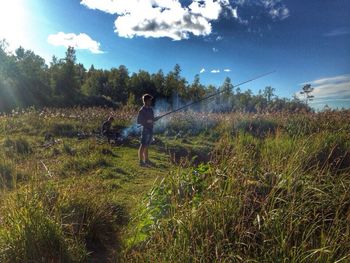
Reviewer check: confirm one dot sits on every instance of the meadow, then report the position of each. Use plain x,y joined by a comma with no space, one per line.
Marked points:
231,187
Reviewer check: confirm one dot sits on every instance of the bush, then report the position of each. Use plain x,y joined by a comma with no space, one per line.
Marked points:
30,234
92,221
55,224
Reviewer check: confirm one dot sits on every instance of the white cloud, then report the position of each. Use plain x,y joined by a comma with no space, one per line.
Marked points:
215,71
219,38
111,6
161,18
276,9
227,70
338,32
330,80
209,9
202,70
234,12
331,88
240,2
175,20
81,41
280,13
215,50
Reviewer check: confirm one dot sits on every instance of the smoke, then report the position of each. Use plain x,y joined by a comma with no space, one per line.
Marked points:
193,119
161,106
133,130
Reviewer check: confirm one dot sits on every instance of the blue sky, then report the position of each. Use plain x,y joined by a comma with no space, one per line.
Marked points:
304,41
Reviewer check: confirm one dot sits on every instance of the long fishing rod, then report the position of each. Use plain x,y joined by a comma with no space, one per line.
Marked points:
214,94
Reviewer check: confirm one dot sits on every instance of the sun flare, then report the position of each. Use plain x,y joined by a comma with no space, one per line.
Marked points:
13,22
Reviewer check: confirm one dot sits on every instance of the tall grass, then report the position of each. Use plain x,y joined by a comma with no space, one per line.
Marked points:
48,223
7,175
276,189
30,234
278,199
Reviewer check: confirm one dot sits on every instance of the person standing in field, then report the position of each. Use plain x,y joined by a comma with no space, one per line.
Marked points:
146,119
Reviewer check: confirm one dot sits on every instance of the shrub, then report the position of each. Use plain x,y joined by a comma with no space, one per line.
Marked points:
91,219
30,234
47,223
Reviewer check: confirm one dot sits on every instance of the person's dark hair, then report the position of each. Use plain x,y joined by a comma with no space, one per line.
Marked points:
146,97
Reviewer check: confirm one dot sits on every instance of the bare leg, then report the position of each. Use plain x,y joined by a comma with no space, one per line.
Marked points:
141,152
146,153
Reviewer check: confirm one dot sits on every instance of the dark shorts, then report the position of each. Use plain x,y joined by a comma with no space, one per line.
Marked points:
146,136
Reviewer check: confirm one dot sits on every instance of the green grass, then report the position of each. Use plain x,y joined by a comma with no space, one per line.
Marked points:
249,205
78,196
241,188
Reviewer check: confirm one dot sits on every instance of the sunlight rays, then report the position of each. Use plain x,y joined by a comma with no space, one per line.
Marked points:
14,23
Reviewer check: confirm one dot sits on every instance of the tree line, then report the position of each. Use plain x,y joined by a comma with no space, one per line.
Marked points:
26,80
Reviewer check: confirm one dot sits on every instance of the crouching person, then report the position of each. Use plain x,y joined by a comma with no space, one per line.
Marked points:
106,129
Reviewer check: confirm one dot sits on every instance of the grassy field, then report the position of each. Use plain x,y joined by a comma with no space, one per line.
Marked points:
224,188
